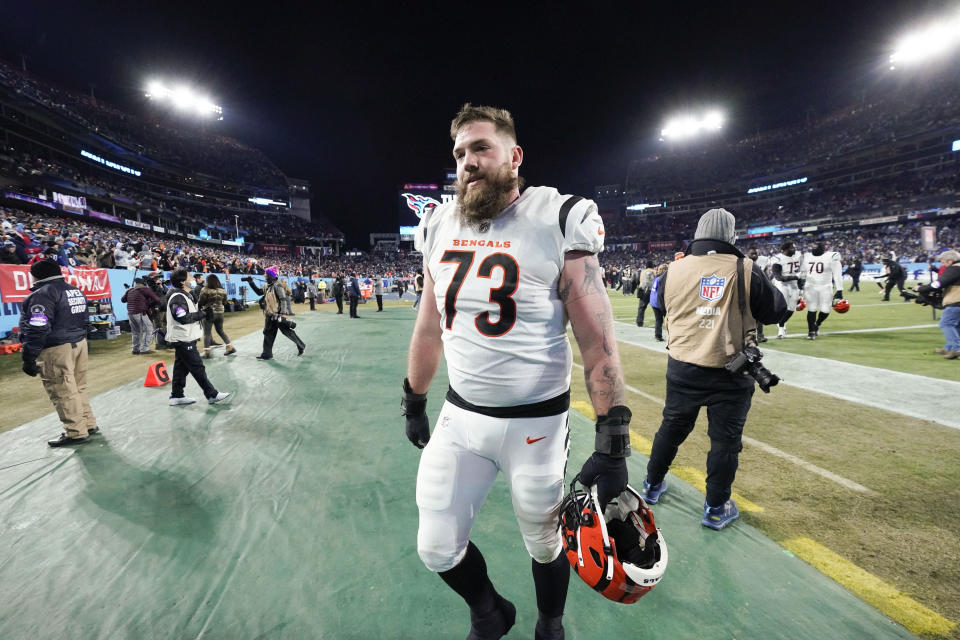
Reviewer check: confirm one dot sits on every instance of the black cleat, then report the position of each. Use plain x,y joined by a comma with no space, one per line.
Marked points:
495,624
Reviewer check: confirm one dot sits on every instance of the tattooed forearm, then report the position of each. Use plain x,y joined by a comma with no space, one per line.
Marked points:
592,282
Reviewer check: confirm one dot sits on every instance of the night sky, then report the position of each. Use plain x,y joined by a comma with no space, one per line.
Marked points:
358,98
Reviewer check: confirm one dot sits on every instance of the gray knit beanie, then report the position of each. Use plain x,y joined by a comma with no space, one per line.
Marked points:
949,255
716,224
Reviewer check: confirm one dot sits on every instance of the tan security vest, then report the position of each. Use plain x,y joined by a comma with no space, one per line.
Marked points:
951,295
703,317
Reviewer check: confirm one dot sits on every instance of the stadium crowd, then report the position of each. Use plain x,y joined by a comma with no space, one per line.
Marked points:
78,242
189,147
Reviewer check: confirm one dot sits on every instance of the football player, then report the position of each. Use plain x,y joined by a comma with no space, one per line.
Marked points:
785,271
823,273
503,271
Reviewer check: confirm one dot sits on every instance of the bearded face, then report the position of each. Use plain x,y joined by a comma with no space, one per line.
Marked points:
482,195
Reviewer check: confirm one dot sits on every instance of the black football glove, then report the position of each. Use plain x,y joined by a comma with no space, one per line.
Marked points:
838,295
414,407
607,467
30,368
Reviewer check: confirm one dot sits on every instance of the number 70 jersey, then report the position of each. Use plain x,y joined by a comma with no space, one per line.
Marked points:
503,323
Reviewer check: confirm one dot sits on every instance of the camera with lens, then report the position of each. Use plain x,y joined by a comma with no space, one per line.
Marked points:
748,361
925,295
283,322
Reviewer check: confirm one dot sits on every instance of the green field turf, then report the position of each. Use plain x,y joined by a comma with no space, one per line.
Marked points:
906,350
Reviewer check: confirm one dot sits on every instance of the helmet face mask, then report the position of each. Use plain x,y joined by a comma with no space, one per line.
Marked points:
620,554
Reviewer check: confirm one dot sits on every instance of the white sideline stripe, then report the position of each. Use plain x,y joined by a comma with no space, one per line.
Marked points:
800,462
874,330
907,394
882,304
829,475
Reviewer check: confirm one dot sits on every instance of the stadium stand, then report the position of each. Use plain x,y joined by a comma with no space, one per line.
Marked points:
863,178
122,175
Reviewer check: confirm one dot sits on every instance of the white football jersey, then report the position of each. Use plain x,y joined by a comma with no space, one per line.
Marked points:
824,269
504,325
790,265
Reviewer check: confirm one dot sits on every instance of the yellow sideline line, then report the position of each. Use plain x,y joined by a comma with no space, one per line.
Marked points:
871,589
694,477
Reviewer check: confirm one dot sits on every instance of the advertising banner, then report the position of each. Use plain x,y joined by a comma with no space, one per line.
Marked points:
15,282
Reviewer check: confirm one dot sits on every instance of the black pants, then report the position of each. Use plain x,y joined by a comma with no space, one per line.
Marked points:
187,360
891,283
313,304
379,302
354,301
270,328
339,299
644,300
209,326
726,415
657,323
856,282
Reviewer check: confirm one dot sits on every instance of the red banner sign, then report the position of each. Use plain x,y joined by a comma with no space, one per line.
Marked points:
274,248
15,282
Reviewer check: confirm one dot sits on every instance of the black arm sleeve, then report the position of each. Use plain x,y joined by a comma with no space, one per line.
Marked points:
253,286
660,295
777,272
766,303
188,318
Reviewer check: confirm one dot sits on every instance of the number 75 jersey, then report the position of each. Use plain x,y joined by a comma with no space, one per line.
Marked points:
496,288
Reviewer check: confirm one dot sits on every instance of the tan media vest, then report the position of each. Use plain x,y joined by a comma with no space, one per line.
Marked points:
703,317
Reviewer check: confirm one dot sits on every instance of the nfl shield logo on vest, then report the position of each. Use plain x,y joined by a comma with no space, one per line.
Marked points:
711,287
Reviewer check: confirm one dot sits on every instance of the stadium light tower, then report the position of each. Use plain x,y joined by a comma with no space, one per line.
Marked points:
183,98
686,126
935,39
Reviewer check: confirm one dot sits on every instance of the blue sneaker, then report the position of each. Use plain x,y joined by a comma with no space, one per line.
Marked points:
719,517
652,492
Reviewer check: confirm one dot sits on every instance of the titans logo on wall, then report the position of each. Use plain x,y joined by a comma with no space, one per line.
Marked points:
711,287
418,204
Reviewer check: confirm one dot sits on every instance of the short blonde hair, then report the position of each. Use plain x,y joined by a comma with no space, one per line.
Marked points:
501,119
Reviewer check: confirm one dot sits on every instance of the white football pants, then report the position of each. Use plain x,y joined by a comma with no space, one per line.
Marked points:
791,293
457,470
819,297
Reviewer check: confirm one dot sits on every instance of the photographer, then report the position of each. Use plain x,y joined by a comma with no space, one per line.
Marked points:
140,298
712,299
183,331
275,304
949,284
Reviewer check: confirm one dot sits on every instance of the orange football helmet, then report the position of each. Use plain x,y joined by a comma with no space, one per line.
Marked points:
621,554
841,306
801,304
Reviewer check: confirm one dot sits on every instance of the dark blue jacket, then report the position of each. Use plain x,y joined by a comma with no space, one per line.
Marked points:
54,314
354,288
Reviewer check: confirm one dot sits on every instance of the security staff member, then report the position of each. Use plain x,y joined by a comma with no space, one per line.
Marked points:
276,304
338,287
353,290
708,326
53,330
183,331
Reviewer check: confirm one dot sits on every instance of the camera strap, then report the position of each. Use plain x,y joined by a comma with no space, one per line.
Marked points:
749,337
